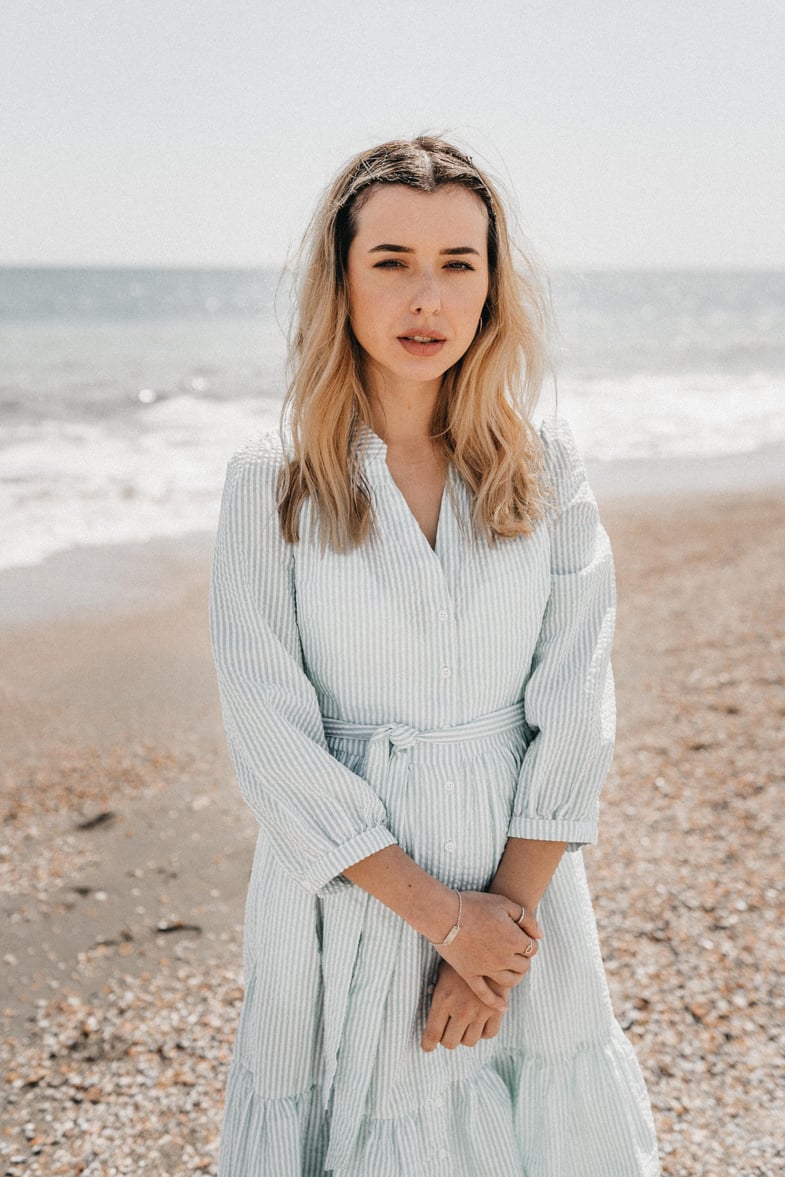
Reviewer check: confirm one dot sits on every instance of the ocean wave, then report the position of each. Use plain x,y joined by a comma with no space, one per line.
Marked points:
160,473
66,484
689,415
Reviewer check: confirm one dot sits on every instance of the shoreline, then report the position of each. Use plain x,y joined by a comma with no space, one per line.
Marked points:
100,580
617,482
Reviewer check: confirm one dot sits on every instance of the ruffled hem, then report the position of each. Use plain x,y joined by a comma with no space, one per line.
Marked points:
270,1137
466,1131
585,1116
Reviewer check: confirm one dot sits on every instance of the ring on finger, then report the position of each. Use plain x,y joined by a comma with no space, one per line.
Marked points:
529,949
521,917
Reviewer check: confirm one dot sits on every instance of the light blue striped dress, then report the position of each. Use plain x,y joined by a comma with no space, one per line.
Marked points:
446,700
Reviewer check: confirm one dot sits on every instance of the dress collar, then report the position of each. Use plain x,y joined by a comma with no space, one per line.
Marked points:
372,452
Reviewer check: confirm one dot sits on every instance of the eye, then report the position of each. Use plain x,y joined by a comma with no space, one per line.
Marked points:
459,266
389,263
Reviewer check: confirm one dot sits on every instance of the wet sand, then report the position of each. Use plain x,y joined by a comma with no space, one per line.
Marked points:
126,848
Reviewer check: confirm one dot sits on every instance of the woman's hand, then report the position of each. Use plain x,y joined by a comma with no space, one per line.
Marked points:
457,1017
491,946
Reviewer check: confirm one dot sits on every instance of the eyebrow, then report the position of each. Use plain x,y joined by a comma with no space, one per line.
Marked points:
455,251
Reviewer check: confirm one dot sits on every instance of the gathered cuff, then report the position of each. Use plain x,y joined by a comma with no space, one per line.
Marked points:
325,875
575,833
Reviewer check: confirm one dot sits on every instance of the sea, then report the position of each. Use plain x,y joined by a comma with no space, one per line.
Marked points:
124,392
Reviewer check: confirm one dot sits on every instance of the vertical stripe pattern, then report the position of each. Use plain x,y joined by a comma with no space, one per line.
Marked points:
444,700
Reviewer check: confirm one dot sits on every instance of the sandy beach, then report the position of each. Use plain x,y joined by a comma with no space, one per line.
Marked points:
126,848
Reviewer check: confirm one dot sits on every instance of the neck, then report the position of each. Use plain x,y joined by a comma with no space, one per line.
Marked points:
403,416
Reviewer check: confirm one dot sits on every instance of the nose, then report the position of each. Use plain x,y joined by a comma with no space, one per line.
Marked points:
426,299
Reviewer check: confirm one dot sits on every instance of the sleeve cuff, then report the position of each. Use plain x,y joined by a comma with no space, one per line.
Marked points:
325,875
575,833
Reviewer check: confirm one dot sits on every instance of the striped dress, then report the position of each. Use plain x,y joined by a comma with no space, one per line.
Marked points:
443,699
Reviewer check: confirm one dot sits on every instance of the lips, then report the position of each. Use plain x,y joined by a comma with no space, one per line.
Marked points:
422,343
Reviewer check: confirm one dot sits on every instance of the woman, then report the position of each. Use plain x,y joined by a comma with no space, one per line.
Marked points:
412,610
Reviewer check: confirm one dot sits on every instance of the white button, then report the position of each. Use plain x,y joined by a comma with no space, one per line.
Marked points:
449,786
443,614
446,672
442,1154
449,846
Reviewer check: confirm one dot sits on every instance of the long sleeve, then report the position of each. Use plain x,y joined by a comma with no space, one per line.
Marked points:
319,816
569,695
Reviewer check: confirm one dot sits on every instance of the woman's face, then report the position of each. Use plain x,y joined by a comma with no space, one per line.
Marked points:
418,280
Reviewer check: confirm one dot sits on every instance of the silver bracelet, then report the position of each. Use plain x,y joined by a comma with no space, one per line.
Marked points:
455,929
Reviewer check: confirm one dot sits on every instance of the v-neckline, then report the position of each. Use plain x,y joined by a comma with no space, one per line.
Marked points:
374,449
446,560
414,522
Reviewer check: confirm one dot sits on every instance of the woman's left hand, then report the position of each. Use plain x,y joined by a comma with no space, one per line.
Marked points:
457,1017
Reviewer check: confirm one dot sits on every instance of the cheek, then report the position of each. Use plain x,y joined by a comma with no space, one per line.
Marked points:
364,306
471,312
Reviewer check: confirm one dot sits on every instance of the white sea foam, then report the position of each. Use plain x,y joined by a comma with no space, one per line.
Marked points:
84,482
65,485
685,415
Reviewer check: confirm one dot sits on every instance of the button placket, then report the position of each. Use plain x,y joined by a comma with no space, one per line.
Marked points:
445,649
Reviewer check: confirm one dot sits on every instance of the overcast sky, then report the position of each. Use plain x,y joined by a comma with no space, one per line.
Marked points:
635,133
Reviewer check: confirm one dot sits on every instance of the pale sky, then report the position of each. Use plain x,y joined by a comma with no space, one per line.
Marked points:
635,133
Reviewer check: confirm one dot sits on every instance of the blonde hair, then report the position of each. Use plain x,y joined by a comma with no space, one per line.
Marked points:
481,421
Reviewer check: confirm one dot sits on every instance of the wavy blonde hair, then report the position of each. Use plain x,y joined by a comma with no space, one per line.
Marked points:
481,421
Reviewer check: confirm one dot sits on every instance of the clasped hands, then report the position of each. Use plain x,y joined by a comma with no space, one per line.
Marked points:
478,971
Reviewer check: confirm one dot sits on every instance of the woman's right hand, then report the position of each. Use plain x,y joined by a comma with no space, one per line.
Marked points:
491,945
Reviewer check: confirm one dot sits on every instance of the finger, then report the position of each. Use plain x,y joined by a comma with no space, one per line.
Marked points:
499,988
530,925
516,966
526,920
514,974
514,910
492,1026
480,988
472,1034
529,949
508,980
453,1033
434,1029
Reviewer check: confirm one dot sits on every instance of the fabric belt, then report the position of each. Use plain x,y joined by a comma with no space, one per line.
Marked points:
351,1031
402,736
383,741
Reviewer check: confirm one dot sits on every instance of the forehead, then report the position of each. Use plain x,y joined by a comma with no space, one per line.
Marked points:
397,214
